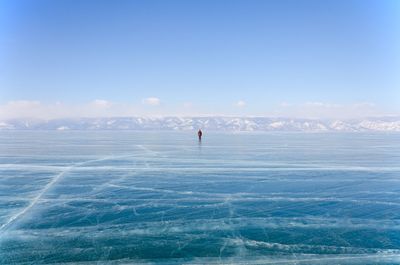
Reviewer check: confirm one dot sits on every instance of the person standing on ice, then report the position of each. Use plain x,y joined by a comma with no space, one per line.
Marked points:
200,133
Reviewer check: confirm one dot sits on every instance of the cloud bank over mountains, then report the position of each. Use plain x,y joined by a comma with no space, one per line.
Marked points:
155,107
229,124
154,114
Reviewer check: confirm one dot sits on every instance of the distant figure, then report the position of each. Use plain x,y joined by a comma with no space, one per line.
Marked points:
199,133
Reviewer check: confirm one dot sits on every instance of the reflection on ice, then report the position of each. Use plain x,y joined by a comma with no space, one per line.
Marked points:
137,198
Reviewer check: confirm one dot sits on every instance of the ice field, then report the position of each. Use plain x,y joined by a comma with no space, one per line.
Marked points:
102,197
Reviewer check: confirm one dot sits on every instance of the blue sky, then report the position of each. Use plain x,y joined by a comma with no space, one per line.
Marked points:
200,57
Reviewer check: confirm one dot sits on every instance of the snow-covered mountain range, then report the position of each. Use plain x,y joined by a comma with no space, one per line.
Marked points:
386,124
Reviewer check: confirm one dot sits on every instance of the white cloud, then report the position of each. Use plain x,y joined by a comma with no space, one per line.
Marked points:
104,108
19,108
152,101
187,104
316,104
285,104
321,104
101,103
329,110
36,109
240,104
365,104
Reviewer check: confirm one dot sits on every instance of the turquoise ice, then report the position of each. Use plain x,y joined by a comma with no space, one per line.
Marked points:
164,198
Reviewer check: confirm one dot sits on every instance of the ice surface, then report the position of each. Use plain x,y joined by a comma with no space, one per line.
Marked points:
163,198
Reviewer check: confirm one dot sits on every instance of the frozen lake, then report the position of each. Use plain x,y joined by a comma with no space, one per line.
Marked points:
162,198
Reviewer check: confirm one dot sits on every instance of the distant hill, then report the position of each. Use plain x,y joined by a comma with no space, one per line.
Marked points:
384,124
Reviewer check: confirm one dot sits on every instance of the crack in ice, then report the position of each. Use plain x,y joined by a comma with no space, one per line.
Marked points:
34,201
